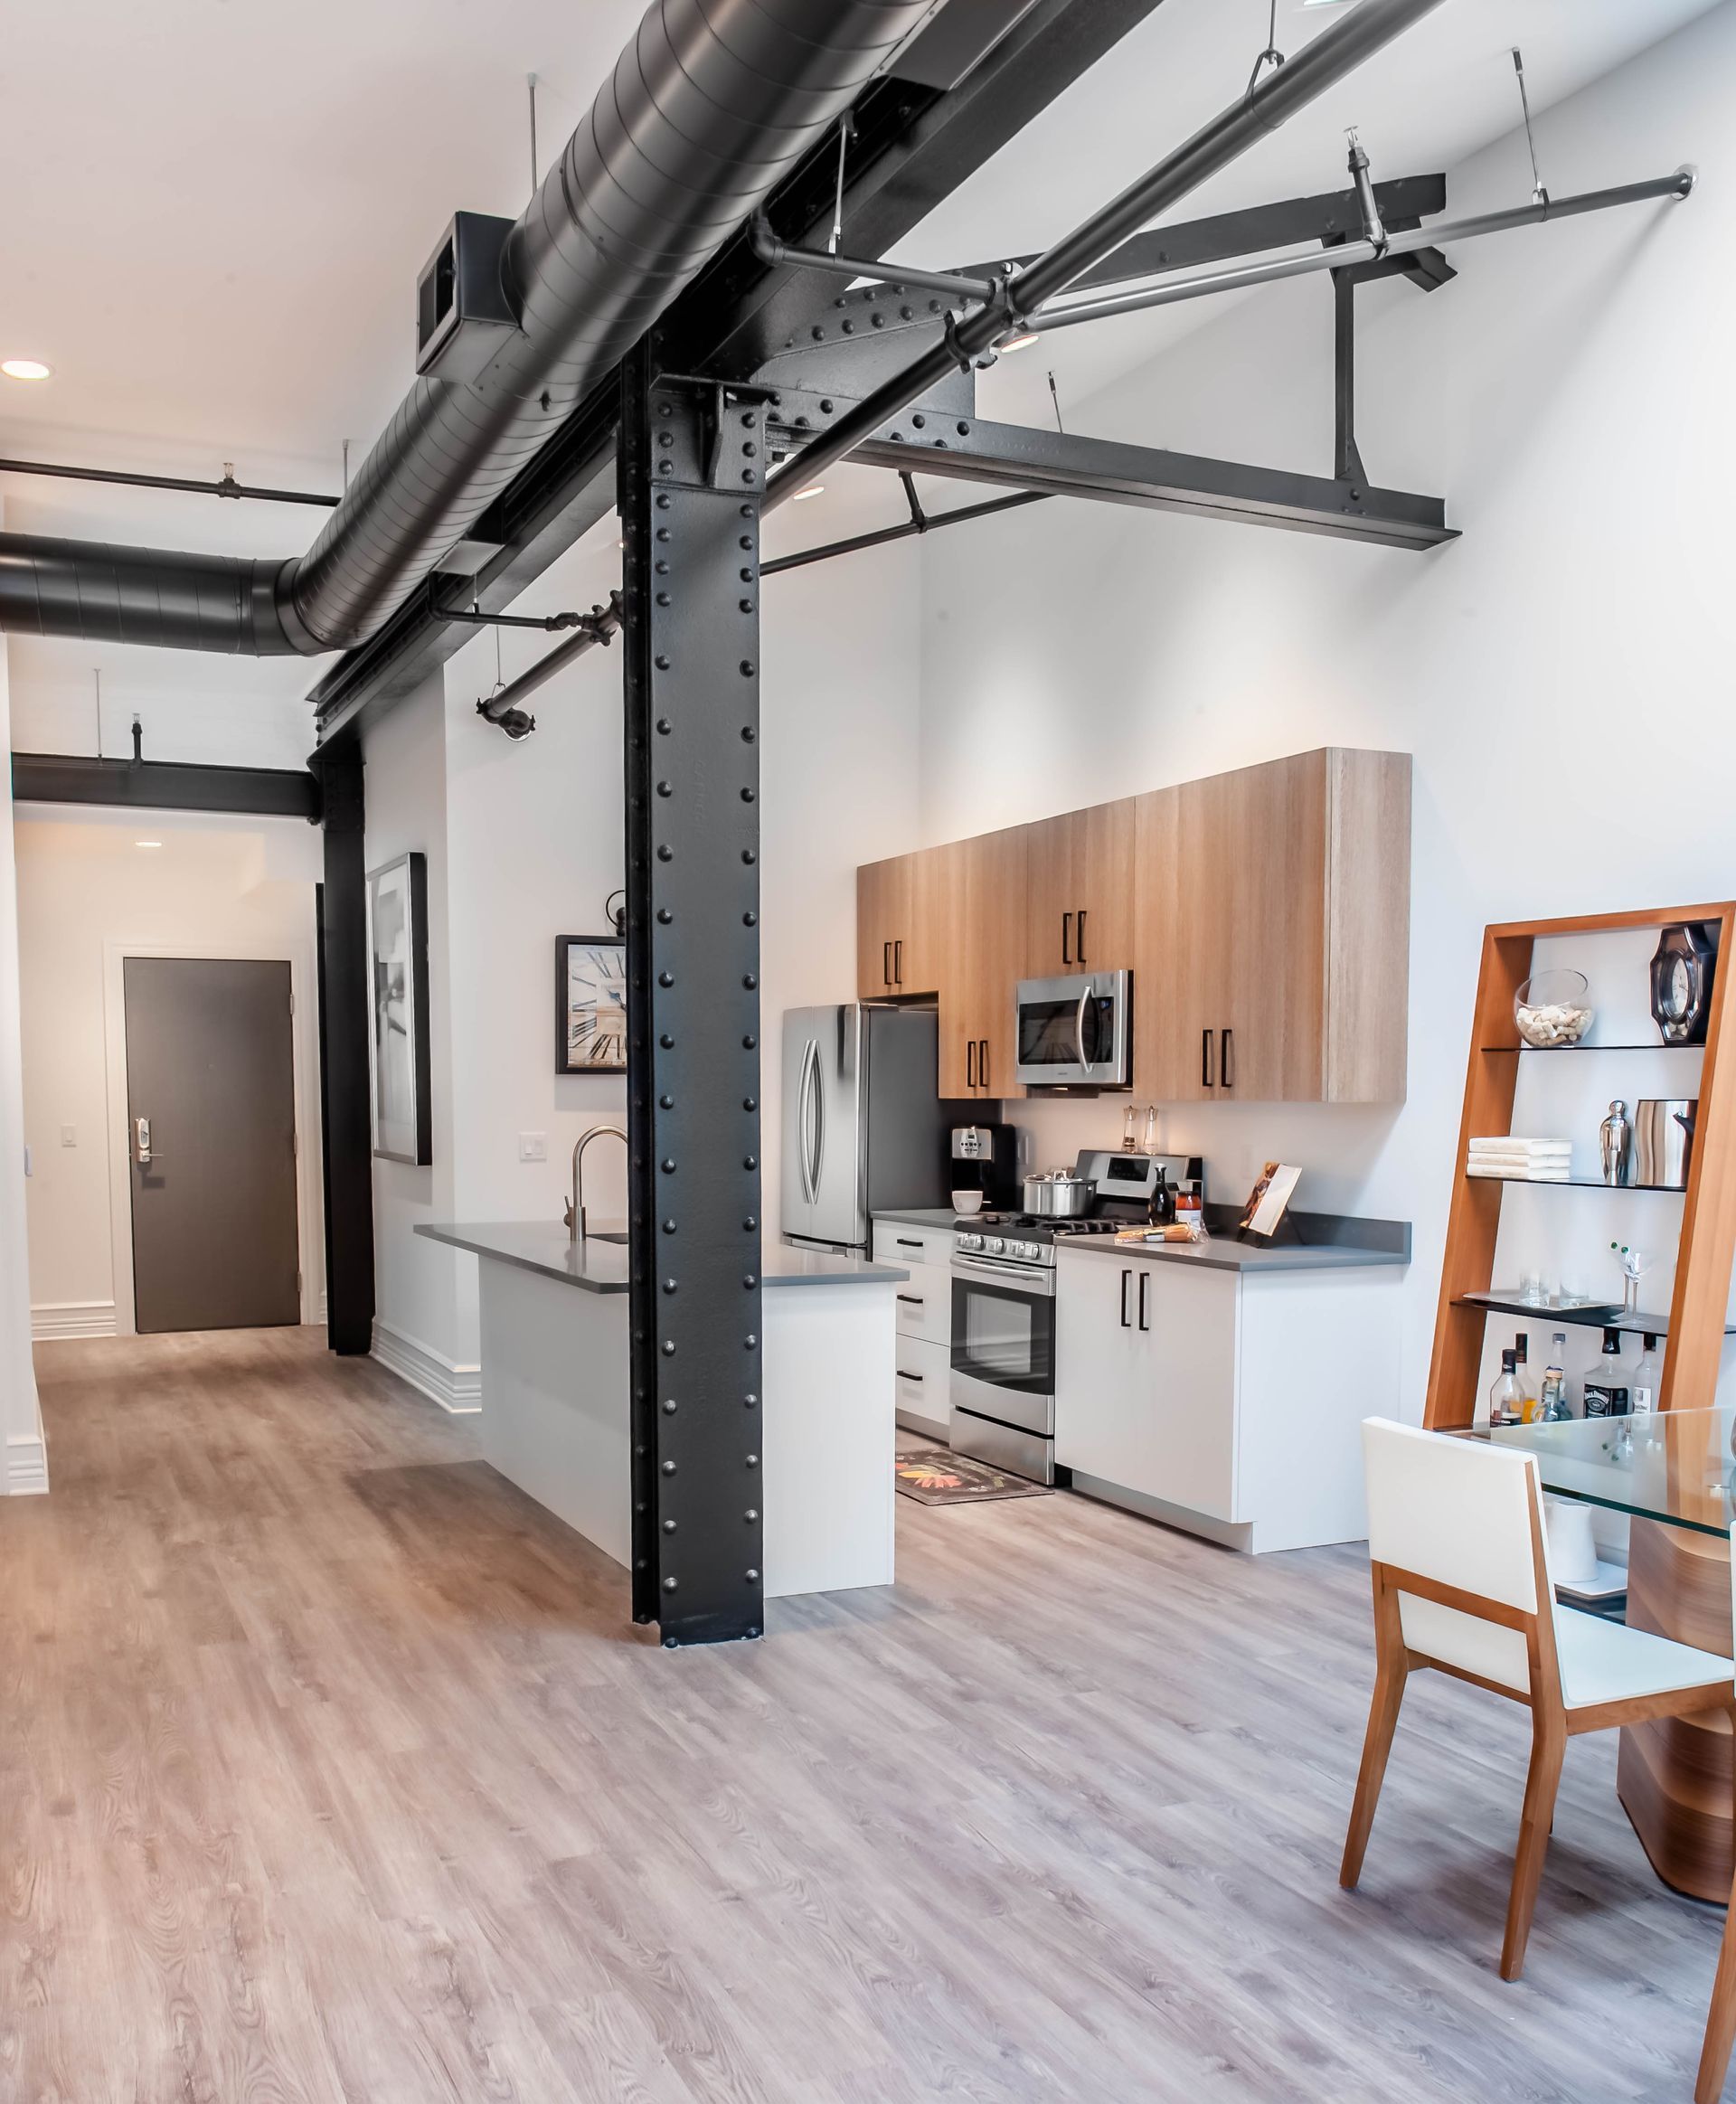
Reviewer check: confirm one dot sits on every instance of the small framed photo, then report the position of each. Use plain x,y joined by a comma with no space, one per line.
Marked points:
402,1106
589,1005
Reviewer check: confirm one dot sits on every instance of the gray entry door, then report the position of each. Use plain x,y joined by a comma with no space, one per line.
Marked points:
211,1070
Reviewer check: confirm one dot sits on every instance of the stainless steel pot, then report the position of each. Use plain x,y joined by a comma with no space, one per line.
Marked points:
1059,1195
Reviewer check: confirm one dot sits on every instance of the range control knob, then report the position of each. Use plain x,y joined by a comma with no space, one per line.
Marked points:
994,1245
970,1242
1032,1249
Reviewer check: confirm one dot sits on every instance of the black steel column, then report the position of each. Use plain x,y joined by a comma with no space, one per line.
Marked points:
692,470
347,1145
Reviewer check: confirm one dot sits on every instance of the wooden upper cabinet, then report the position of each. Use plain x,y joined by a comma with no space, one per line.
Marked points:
1079,890
1265,915
1276,968
982,886
899,925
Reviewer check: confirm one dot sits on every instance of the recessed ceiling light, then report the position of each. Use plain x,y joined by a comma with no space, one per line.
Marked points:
26,369
1021,343
813,489
147,844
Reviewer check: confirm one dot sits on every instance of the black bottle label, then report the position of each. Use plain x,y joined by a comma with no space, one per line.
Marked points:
1605,1399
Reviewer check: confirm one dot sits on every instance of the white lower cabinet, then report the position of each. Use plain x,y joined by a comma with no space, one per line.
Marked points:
923,1302
1220,1397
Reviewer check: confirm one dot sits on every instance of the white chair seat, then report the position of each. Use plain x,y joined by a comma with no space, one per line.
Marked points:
1607,1662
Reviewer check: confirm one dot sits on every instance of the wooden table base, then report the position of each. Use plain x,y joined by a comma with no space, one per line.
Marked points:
1673,1778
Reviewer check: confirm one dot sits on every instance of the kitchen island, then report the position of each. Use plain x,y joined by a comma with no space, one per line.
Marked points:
555,1412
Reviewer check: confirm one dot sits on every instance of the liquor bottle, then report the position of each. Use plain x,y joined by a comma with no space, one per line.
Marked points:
1648,1378
1527,1393
1506,1398
1554,1408
1605,1387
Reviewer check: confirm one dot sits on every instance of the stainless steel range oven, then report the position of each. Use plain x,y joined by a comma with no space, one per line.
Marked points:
1003,1388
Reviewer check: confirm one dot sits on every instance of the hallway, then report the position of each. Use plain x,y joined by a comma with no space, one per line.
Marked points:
332,1769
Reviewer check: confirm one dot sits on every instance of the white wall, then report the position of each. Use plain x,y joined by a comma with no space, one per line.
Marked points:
21,1425
1561,674
242,887
424,1303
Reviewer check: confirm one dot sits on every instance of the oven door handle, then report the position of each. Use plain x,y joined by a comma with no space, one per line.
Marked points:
1038,1279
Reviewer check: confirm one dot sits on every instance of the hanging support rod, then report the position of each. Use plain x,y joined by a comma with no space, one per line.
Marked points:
476,619
227,486
921,521
775,254
1319,66
1346,254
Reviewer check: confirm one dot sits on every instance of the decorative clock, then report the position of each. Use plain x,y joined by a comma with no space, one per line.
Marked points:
589,1005
1681,971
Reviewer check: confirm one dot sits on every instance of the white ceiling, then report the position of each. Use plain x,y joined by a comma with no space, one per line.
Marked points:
218,212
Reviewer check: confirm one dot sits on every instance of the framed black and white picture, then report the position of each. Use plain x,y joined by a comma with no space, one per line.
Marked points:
403,1113
589,1005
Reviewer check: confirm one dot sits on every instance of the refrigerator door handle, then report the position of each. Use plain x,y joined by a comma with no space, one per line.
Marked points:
805,1119
819,1119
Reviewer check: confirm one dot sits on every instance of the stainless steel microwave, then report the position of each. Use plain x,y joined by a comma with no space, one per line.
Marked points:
1076,1031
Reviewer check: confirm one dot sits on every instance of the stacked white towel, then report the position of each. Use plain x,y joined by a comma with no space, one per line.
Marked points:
1520,1160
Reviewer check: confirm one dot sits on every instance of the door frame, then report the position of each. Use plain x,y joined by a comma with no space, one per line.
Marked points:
305,1050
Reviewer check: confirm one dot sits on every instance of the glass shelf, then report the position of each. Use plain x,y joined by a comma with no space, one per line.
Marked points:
1553,1049
1597,1315
1576,1184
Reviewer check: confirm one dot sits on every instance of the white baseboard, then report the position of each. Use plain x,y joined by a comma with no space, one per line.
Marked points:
26,1465
50,1320
457,1389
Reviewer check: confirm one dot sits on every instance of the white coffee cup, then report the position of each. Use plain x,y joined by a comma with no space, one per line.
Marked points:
966,1202
1572,1551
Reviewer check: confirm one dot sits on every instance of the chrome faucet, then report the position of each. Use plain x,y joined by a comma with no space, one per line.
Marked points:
575,1217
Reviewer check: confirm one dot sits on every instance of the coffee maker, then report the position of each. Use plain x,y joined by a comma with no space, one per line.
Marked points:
985,1158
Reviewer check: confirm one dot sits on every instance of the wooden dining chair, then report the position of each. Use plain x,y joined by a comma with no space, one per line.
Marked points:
1462,1586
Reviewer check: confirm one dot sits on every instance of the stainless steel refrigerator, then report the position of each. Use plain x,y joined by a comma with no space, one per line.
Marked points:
863,1123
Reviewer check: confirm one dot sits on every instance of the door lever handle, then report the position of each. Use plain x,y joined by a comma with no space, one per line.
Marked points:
142,1138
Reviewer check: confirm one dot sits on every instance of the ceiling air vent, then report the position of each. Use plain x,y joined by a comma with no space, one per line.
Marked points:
462,316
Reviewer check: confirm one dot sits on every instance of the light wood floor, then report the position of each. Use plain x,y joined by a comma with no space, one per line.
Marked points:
330,1768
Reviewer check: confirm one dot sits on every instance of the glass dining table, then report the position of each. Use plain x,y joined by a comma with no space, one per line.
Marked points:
1674,1468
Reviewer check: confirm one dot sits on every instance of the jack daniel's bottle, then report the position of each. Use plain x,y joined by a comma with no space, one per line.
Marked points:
1605,1387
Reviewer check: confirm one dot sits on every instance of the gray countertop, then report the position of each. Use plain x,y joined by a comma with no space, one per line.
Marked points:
1388,1243
600,1267
916,1215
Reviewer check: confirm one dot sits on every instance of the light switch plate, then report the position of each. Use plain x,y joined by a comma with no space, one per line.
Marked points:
68,1136
533,1147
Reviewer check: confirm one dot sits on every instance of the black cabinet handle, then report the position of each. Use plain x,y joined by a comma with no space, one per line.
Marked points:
904,1376
903,1244
970,1063
1124,1323
981,1063
885,964
1226,1066
1144,1312
912,1300
1082,935
1205,1060
897,962
1066,939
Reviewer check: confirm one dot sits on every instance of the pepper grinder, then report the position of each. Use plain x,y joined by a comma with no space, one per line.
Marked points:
1615,1135
1151,1128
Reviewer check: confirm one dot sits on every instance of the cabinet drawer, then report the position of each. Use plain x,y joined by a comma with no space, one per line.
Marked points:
924,1303
895,1243
924,1373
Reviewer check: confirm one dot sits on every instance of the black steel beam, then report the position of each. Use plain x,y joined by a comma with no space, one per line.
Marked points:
692,474
164,785
1404,203
914,145
344,1025
968,449
906,529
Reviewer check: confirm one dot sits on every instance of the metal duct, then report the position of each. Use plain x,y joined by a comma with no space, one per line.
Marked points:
706,110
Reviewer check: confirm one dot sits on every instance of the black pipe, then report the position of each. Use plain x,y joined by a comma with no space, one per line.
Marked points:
1319,66
703,115
775,254
502,708
100,594
228,487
